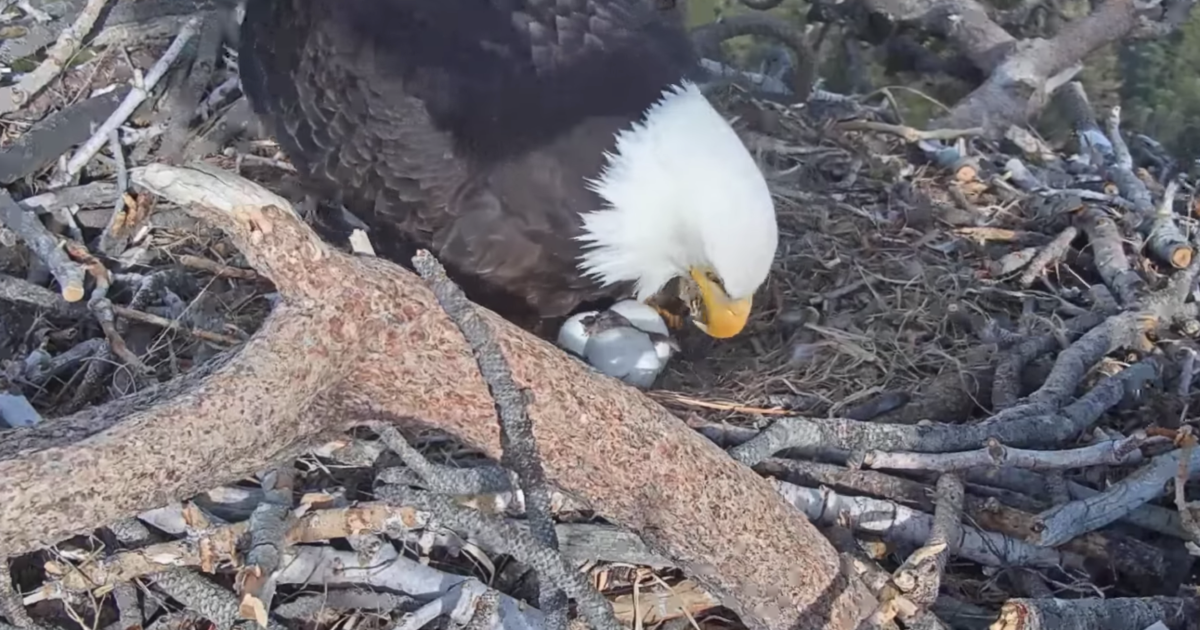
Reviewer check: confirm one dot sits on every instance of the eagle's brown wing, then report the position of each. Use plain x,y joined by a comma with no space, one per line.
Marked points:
348,124
465,126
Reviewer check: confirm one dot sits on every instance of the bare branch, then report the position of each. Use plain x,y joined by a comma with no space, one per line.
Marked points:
307,373
139,93
49,249
1082,614
1111,452
15,97
1064,522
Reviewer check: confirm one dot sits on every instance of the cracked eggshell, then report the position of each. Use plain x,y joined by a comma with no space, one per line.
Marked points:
663,350
572,337
647,368
617,351
642,316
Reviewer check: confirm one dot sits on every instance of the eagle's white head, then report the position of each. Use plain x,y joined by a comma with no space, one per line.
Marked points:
684,199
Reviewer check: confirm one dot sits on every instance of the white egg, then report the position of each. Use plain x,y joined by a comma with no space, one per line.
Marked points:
626,353
663,350
641,379
615,351
572,337
641,315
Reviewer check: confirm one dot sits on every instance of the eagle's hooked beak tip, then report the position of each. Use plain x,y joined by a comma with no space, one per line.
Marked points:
720,316
725,320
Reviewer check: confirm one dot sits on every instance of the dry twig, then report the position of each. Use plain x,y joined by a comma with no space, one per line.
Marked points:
15,96
140,92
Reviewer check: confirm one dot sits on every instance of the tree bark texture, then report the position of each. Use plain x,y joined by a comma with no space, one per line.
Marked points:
358,339
1019,88
1022,74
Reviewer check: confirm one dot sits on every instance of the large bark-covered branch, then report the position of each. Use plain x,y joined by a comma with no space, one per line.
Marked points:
1022,74
358,338
1021,85
963,23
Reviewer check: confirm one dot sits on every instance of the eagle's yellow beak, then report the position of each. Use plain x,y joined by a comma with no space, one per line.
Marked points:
718,315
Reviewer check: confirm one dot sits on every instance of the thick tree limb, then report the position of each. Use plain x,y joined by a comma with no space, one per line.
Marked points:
964,23
1022,74
359,338
920,577
1020,86
708,38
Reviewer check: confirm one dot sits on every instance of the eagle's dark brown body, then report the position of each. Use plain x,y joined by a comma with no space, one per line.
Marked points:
468,127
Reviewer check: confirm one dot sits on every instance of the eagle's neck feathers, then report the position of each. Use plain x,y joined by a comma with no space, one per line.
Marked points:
681,191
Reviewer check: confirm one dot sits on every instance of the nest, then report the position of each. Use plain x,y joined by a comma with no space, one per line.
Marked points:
931,304
868,285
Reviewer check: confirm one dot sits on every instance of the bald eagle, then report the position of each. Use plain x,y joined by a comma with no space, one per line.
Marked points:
551,153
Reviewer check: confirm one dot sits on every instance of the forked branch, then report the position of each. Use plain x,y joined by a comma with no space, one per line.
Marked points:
356,339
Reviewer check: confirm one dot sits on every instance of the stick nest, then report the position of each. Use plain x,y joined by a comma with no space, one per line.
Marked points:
865,288
951,331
